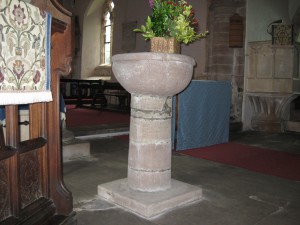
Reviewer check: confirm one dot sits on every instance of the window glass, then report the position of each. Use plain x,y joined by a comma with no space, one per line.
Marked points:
107,19
107,32
107,53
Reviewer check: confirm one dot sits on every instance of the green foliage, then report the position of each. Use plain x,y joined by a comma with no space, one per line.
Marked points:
171,19
146,30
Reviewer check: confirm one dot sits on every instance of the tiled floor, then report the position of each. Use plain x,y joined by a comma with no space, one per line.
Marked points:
231,195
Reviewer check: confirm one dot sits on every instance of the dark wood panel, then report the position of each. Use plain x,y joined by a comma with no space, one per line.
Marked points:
30,174
5,207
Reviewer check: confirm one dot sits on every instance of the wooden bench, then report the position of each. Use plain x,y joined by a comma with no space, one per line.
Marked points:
94,94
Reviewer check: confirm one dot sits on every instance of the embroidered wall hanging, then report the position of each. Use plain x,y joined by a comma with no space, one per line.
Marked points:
24,53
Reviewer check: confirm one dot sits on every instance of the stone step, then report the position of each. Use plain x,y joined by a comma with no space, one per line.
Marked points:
292,126
75,149
99,130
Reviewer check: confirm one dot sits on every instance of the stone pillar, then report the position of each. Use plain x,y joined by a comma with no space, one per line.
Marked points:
226,63
149,161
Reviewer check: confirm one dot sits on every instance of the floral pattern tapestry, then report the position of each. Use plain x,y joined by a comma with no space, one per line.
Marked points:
24,53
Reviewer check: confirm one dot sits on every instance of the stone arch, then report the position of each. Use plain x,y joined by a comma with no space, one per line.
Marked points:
90,56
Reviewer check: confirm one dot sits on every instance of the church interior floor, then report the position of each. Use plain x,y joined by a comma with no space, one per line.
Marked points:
231,195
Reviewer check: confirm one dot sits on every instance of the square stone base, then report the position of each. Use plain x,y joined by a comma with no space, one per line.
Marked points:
149,204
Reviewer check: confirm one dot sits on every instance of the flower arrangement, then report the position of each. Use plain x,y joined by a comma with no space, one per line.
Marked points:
171,18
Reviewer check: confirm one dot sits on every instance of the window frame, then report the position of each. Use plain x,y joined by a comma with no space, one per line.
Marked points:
107,8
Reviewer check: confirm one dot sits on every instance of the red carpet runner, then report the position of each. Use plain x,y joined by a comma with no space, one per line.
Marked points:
270,162
90,117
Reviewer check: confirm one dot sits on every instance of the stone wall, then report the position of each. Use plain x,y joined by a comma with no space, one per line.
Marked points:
272,83
277,72
225,63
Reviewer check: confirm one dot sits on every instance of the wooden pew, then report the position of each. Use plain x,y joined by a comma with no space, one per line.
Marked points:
94,94
31,180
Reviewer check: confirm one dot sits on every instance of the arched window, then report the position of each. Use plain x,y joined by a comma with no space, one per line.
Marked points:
107,32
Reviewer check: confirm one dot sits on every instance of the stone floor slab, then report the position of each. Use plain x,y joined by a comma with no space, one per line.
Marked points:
75,149
149,204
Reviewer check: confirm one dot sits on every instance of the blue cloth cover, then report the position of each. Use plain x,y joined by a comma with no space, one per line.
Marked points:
203,114
2,113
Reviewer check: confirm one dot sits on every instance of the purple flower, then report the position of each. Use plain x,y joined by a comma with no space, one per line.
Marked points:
151,2
19,14
37,77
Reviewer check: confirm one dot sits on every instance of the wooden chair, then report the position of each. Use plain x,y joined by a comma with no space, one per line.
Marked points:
32,190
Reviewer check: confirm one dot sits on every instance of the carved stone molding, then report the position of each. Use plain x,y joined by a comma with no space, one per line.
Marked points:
270,110
270,68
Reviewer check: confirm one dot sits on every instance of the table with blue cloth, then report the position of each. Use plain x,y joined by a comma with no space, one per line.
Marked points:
203,115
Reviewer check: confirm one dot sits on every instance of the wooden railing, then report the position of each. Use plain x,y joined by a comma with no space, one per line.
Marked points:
95,94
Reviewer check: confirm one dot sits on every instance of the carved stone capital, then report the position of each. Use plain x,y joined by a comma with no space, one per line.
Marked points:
269,110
